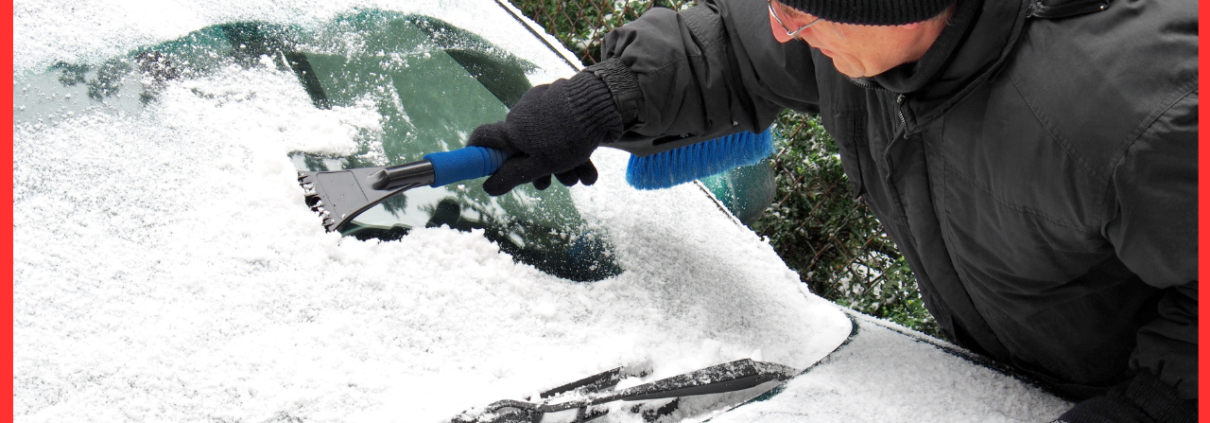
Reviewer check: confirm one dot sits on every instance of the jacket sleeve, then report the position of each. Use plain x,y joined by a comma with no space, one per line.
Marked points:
1154,233
711,70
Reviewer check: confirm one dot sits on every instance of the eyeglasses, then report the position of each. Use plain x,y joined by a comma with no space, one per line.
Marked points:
789,33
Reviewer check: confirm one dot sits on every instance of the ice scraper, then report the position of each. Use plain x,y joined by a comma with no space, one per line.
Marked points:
340,195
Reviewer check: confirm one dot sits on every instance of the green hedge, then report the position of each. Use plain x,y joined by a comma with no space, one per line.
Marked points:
831,239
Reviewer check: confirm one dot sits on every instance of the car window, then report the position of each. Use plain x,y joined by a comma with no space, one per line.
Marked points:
431,84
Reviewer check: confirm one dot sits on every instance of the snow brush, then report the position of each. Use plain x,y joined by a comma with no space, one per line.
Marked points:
695,161
341,195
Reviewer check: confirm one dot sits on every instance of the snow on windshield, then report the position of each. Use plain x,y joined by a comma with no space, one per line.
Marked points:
167,269
46,32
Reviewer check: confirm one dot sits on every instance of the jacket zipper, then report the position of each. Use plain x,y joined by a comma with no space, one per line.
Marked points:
899,99
899,109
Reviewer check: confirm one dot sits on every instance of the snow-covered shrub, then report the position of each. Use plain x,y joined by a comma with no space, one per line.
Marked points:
582,24
834,241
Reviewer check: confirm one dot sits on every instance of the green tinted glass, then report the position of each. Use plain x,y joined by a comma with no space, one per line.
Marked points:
431,84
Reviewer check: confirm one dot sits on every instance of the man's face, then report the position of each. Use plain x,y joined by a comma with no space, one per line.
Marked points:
855,50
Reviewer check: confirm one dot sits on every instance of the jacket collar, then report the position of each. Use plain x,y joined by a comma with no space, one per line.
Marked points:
911,77
981,36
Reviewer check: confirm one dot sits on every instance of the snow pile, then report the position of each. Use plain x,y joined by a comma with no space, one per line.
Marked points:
166,268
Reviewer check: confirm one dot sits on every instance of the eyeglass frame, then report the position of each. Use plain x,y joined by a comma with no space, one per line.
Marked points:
793,34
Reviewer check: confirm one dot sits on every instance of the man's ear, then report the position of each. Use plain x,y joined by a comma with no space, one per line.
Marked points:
779,32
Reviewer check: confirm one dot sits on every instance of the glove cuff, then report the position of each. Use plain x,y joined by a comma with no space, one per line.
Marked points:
591,104
1160,401
624,85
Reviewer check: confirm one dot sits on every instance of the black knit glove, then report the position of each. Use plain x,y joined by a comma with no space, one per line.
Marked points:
1143,399
553,129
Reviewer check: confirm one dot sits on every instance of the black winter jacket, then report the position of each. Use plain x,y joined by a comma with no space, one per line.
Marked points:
1037,169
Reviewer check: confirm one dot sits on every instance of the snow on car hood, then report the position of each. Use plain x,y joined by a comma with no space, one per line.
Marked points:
166,267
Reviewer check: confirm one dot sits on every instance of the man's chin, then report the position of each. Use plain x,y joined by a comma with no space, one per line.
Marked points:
851,73
845,66
857,72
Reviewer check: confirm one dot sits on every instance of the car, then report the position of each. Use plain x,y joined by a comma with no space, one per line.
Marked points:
168,268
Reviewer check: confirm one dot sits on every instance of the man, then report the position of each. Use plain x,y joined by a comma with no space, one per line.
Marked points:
1034,161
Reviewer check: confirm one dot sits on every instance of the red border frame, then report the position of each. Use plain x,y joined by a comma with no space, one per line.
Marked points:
8,211
1203,221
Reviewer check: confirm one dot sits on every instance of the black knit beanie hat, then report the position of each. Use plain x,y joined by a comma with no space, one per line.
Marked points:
871,12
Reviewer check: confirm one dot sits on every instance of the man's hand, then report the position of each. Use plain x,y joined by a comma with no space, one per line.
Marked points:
553,129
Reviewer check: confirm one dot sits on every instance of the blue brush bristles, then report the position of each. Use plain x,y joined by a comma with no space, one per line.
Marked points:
696,161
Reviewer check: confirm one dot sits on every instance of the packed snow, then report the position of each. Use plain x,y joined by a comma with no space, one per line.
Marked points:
166,267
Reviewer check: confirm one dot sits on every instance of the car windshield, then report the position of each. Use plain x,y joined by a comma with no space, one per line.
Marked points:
166,266
430,83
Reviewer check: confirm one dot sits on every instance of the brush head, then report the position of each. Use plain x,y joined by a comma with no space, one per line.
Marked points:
696,161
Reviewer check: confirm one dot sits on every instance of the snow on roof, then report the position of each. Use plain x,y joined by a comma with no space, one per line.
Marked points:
167,269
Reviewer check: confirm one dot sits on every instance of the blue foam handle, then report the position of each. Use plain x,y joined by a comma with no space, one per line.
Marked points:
464,163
